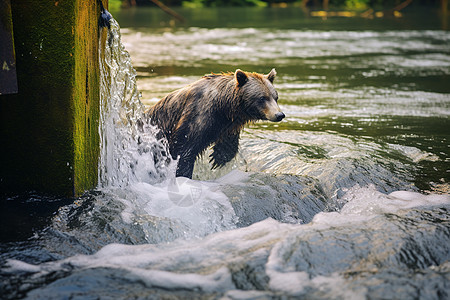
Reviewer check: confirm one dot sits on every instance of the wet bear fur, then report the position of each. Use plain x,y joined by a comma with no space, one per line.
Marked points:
213,110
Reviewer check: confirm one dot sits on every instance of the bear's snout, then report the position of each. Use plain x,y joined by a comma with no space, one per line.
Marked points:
272,112
276,117
279,116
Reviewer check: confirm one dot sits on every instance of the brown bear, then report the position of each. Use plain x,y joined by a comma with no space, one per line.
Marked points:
213,110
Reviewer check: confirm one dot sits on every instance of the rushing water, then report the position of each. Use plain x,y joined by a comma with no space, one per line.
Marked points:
347,198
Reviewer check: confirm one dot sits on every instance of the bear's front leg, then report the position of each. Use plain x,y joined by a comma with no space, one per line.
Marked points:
225,149
185,165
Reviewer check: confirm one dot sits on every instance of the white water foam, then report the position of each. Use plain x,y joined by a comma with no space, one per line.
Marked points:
194,208
207,264
364,203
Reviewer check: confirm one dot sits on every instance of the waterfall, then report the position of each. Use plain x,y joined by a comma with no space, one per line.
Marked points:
130,151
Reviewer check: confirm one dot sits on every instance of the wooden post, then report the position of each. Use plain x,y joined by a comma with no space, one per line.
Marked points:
49,131
8,77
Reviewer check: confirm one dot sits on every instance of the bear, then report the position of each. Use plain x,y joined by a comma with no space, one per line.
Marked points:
214,110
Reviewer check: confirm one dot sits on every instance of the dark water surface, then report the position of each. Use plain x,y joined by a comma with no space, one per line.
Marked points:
346,198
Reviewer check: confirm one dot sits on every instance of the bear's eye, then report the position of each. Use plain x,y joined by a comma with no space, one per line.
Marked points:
262,99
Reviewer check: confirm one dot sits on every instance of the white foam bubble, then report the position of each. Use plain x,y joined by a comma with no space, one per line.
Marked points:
217,281
198,207
415,154
245,295
364,203
17,265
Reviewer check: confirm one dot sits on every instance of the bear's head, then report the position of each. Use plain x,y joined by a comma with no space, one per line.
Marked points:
259,96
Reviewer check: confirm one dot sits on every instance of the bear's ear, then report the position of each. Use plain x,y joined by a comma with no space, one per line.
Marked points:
271,75
241,77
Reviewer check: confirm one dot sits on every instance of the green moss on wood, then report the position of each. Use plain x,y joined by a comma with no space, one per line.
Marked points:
50,128
86,97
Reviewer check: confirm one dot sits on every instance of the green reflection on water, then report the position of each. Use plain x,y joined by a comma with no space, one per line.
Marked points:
283,18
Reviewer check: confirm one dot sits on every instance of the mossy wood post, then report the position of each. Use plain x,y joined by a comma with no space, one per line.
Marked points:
8,77
49,130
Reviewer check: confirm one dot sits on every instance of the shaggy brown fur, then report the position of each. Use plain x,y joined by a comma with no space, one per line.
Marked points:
211,110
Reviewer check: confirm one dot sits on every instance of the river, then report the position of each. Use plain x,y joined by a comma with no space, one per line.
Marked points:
346,198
